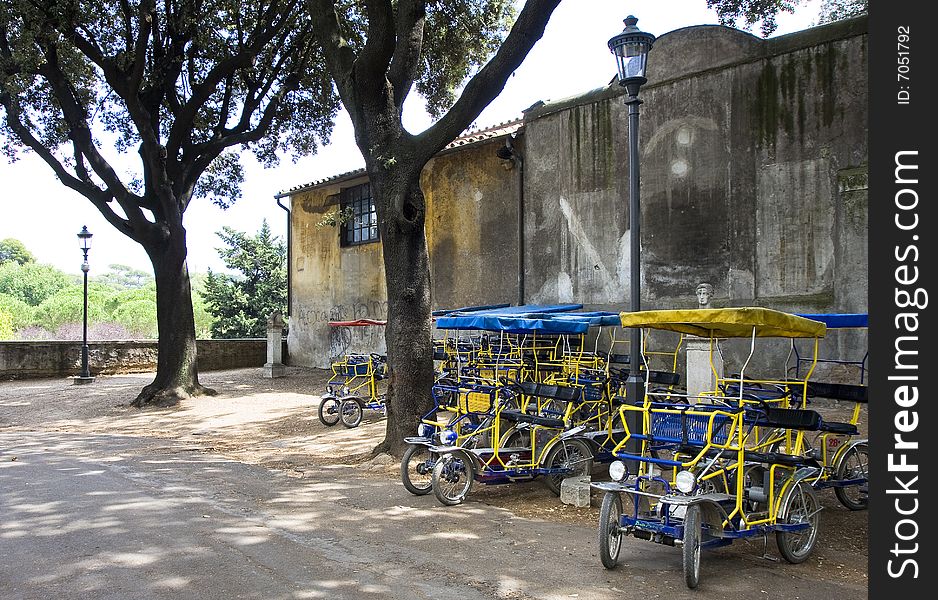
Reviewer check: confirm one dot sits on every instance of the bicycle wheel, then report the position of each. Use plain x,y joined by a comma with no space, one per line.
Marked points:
329,411
691,547
854,464
567,454
417,469
610,538
351,412
452,478
800,505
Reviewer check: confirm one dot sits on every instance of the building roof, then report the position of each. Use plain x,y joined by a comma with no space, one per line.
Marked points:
469,138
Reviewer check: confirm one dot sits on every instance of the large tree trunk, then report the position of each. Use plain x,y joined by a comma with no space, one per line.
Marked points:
177,375
408,331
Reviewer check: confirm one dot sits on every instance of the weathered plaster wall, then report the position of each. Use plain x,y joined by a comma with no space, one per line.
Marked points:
472,231
331,283
472,227
752,177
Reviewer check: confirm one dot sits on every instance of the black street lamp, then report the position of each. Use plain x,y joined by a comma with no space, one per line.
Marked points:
84,237
631,51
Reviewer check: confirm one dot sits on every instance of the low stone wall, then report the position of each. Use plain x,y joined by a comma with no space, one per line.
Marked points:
29,359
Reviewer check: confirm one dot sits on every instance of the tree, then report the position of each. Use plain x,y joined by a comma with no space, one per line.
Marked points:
179,84
12,250
31,282
241,305
835,10
376,52
122,276
746,13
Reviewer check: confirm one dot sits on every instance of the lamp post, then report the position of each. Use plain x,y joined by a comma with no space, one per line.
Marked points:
630,49
84,238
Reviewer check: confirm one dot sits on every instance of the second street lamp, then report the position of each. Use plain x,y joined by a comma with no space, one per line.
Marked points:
84,238
630,49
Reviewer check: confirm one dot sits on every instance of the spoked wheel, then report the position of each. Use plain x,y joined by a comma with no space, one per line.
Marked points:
854,464
417,469
800,505
329,411
452,478
351,412
610,537
567,454
691,549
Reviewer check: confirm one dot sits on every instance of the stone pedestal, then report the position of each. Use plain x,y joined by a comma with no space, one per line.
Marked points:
575,491
274,366
700,376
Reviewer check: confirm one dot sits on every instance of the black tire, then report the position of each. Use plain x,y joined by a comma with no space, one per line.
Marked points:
351,412
854,464
610,538
691,547
452,479
572,453
329,411
417,469
799,505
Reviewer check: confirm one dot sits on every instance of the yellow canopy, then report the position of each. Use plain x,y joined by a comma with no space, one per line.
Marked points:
727,322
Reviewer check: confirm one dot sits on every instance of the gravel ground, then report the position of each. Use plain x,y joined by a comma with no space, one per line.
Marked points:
273,423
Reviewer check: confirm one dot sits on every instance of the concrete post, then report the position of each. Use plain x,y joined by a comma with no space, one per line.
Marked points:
700,376
274,366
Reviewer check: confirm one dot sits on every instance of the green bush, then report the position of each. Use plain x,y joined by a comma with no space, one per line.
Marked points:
20,312
31,282
6,325
138,317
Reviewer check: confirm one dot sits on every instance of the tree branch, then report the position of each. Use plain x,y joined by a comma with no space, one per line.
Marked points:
490,80
410,21
98,197
372,63
340,58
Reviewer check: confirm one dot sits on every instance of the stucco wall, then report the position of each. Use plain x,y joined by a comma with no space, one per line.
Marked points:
472,230
753,178
331,283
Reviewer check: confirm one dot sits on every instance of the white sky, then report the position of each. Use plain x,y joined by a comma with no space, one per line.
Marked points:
570,59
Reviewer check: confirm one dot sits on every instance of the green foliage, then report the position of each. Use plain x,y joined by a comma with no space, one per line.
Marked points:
31,282
747,13
67,306
138,316
6,325
21,314
122,276
459,38
15,251
241,304
212,75
203,319
336,217
836,10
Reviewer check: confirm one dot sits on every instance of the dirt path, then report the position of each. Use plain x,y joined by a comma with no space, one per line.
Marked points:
273,423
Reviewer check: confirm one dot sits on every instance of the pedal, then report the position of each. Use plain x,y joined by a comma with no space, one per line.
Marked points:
765,550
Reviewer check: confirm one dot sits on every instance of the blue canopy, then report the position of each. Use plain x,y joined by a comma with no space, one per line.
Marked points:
487,307
840,320
520,324
531,322
594,318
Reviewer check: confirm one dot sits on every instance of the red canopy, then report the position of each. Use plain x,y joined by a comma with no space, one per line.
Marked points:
356,323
